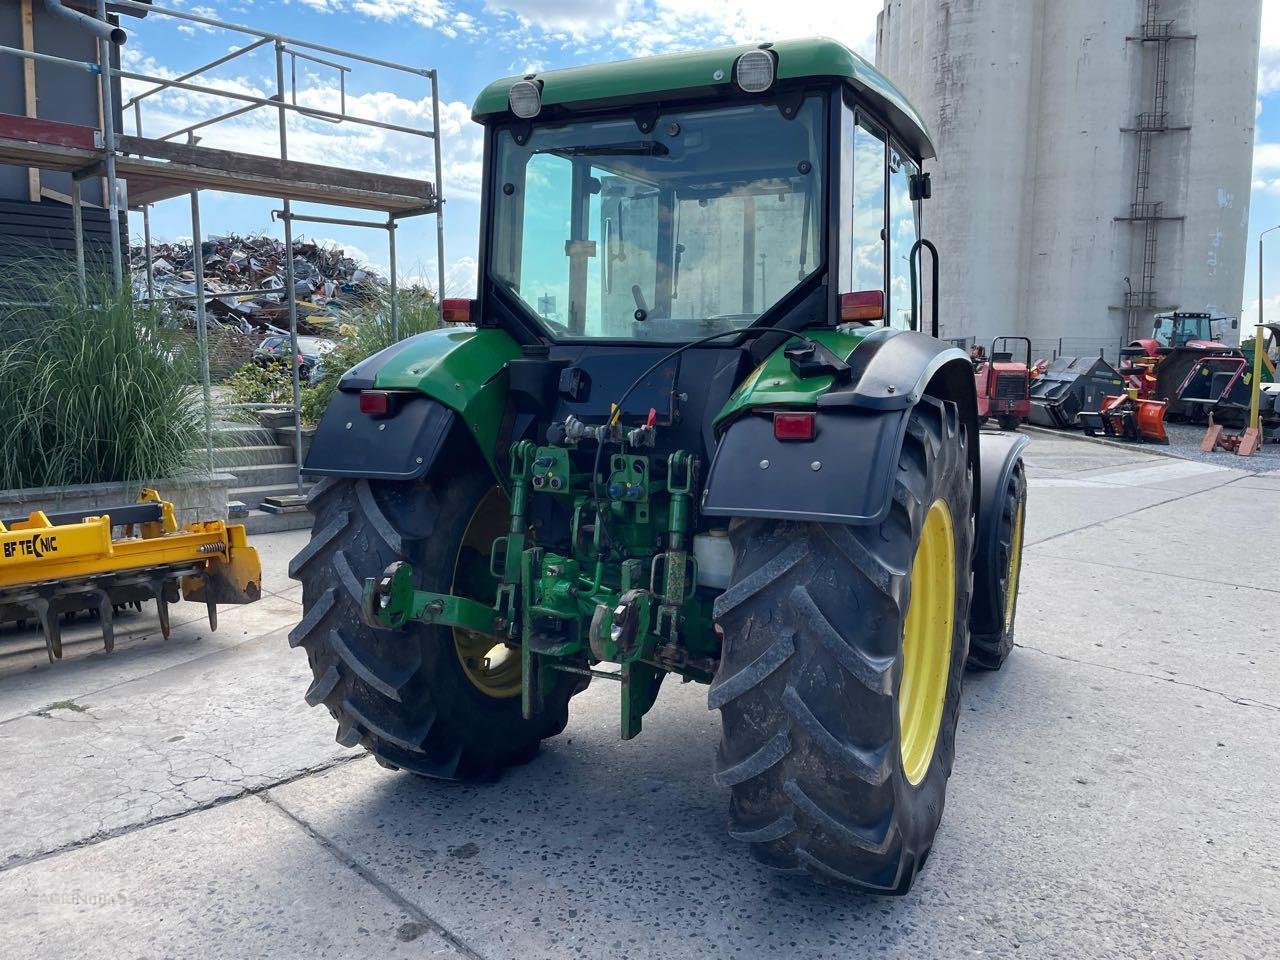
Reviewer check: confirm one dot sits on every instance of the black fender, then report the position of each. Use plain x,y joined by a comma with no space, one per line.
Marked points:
1000,455
846,473
403,446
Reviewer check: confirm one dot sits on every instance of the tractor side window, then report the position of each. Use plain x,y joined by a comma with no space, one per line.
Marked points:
904,231
559,201
868,209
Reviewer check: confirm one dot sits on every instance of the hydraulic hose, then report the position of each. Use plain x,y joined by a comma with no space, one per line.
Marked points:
626,394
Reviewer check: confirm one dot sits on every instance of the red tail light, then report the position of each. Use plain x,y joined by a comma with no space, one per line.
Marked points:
375,403
794,426
456,310
865,306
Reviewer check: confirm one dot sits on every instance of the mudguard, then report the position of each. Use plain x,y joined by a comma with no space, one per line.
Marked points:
454,379
349,443
1000,453
846,473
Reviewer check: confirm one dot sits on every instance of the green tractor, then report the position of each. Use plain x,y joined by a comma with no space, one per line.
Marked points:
689,426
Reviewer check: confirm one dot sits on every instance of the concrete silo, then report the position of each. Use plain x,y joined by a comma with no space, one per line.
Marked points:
1094,159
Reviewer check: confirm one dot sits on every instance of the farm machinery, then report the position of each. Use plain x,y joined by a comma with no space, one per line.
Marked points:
1185,365
674,436
101,559
1003,385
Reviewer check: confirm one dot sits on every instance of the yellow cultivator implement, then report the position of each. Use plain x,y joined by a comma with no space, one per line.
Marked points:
100,559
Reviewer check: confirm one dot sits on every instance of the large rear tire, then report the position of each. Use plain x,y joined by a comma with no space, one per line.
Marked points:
416,698
839,684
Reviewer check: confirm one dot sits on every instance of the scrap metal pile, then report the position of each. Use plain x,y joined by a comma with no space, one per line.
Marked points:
245,288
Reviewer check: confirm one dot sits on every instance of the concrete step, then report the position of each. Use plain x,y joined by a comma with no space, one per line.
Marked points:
241,435
259,521
261,475
229,458
252,497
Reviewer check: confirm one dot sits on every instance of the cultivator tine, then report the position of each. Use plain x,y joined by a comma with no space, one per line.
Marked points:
50,626
106,618
162,605
213,614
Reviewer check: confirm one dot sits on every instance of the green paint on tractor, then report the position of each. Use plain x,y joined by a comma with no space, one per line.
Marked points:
457,366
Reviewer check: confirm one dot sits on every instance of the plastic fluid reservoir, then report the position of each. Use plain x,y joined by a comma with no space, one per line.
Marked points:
714,554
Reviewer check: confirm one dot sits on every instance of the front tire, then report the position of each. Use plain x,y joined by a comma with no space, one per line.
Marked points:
839,708
412,697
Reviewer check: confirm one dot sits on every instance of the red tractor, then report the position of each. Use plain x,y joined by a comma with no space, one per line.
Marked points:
1185,364
1004,386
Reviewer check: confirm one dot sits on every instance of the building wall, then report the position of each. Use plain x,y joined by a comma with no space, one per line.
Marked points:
65,94
1027,100
62,93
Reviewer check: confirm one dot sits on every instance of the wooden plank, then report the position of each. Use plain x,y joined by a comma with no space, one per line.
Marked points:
157,174
29,88
51,132
265,168
49,194
24,153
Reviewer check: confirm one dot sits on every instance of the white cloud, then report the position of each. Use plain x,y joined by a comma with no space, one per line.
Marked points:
460,278
630,27
426,13
581,18
1249,314
1266,158
1266,168
643,27
1269,49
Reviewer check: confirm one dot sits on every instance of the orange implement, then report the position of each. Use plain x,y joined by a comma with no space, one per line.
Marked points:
1134,419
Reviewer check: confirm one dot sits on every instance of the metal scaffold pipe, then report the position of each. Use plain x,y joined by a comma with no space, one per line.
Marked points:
112,200
290,280
100,27
202,327
435,127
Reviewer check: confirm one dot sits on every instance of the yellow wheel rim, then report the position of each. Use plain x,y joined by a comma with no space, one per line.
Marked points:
926,642
1015,565
494,669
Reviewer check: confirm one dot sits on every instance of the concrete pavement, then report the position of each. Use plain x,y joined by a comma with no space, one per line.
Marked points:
1113,793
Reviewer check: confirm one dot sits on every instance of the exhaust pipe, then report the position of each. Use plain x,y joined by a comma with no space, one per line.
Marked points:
99,28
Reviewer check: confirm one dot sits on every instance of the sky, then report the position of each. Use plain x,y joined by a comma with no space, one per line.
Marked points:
471,42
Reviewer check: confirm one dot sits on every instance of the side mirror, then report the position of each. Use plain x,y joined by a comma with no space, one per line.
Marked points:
921,186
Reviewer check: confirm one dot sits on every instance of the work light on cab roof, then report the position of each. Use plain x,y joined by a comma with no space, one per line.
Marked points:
754,71
525,98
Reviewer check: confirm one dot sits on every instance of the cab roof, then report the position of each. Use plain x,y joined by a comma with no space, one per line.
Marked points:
708,72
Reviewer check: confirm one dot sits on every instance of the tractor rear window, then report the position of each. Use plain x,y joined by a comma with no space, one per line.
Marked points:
697,227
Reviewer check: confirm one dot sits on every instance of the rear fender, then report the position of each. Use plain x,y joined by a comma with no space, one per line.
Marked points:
457,389
846,473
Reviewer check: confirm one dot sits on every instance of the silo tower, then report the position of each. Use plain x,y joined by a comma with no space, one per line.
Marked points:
1094,159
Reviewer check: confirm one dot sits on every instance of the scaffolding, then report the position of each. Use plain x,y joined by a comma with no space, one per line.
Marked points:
155,168
1145,214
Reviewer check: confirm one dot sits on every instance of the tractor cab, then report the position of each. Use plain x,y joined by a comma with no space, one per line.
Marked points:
1170,331
695,422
